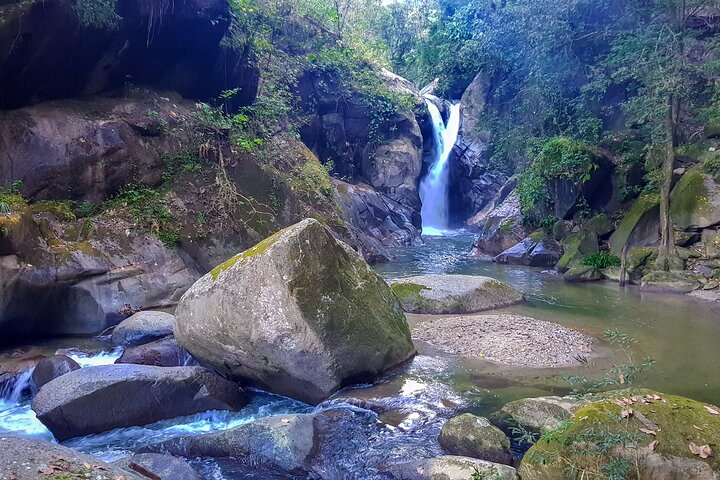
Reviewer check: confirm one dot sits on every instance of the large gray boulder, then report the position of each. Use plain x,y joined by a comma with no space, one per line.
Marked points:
536,250
539,414
299,314
96,399
451,467
50,368
453,294
472,436
164,467
162,353
29,459
283,442
143,327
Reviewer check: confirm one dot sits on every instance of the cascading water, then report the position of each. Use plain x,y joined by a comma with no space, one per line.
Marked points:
434,187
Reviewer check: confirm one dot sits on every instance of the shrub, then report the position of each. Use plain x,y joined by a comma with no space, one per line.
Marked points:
711,165
601,260
97,13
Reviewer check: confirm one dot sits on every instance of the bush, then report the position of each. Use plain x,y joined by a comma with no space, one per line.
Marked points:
601,260
711,165
97,13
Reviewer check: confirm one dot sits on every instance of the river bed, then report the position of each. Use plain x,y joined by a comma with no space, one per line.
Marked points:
680,333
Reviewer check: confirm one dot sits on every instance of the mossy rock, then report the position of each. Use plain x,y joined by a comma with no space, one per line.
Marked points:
599,224
576,246
639,226
471,436
611,273
590,441
582,273
561,229
711,130
695,201
453,294
672,282
538,414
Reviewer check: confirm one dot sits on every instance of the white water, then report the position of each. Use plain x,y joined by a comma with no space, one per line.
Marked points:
434,187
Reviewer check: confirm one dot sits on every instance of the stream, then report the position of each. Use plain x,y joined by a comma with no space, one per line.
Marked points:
399,417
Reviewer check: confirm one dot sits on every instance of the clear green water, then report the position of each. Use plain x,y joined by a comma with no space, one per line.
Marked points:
680,332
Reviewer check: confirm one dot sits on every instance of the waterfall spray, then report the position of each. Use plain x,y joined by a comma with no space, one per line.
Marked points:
434,187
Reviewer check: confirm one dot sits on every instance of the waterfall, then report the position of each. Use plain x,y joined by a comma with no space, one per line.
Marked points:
434,187
18,388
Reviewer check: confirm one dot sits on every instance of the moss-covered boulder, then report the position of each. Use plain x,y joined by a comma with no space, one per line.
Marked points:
672,282
471,436
600,224
583,273
439,294
695,201
639,227
299,314
539,414
575,247
645,435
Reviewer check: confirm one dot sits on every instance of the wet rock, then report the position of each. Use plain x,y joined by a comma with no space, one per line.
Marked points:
539,414
284,442
672,282
164,467
379,221
470,436
583,273
439,294
299,314
673,419
162,353
536,251
51,368
639,226
143,327
695,201
27,459
600,225
611,273
15,365
575,247
78,402
450,467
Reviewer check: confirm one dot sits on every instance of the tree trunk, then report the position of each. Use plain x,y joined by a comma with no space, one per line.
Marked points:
667,236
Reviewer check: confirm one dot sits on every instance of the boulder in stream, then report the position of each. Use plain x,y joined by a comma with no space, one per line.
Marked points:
162,353
453,294
471,436
539,414
29,459
451,467
300,314
163,467
51,368
143,327
96,399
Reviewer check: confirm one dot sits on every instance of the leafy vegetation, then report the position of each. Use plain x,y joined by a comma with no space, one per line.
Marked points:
98,14
601,260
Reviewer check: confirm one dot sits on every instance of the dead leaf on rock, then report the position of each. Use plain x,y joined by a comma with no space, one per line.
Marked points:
703,451
653,445
648,431
711,410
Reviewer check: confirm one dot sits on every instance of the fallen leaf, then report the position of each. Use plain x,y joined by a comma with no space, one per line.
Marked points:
648,431
712,410
703,451
653,445
699,428
626,412
622,379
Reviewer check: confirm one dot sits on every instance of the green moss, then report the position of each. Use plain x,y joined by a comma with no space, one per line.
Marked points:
641,207
689,198
678,422
538,236
258,249
408,290
61,209
506,225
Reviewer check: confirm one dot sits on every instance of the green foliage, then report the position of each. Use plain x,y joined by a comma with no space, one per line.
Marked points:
98,14
711,165
181,162
560,157
601,260
85,209
149,211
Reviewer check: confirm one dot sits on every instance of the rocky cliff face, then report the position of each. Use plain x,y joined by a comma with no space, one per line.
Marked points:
117,191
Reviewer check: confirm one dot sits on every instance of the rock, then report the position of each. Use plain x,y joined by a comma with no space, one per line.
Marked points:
164,467
537,250
576,246
439,294
299,314
583,273
639,261
143,327
162,353
540,414
379,221
450,467
499,223
639,227
611,273
79,402
600,225
695,201
470,436
284,442
673,419
671,282
16,367
50,368
27,459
